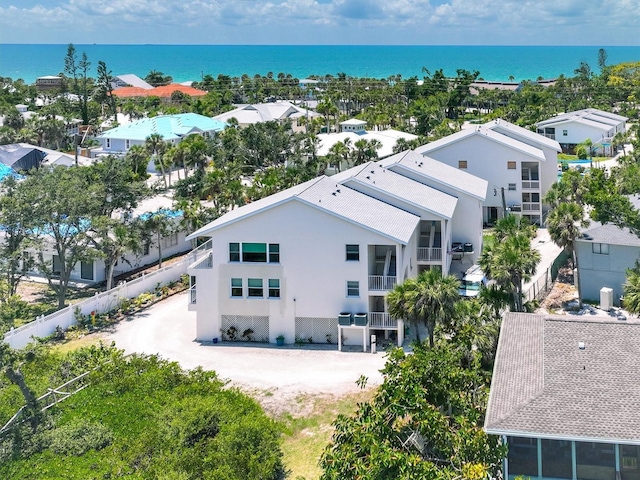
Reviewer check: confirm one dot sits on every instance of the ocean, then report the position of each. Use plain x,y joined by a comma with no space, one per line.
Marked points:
191,62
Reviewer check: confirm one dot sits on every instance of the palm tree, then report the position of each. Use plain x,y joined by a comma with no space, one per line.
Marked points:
402,301
436,299
563,224
631,289
156,146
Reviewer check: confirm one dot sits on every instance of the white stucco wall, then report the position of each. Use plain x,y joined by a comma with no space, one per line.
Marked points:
313,270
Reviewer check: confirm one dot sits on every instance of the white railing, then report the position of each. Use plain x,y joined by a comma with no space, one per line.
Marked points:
204,251
527,206
381,282
427,254
382,320
103,302
530,185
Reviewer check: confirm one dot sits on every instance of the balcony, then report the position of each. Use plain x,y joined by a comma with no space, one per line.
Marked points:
202,257
382,320
531,207
531,185
381,282
427,254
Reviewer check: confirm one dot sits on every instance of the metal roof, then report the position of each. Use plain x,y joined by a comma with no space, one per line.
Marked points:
168,126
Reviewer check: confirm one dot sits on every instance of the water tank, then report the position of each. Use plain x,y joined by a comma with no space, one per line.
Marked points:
606,298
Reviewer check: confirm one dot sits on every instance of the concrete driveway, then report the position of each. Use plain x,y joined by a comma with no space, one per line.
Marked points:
168,329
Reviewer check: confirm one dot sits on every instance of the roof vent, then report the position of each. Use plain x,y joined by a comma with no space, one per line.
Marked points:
581,345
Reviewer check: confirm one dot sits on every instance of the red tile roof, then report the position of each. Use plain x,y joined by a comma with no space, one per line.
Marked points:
164,91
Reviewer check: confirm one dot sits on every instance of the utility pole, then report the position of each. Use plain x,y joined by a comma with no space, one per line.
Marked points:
504,203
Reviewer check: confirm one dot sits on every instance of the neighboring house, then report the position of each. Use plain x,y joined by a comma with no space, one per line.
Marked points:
164,92
24,156
564,397
572,128
292,262
354,130
49,82
95,271
603,255
279,111
172,128
519,165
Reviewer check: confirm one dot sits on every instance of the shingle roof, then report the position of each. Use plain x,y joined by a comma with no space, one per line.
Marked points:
438,172
323,193
609,234
544,385
377,177
168,126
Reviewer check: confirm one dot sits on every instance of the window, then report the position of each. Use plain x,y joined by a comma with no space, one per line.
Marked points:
462,164
511,165
353,288
353,253
274,253
234,252
512,187
108,143
255,287
86,270
564,133
274,288
170,240
254,252
57,265
600,248
236,287
146,247
127,144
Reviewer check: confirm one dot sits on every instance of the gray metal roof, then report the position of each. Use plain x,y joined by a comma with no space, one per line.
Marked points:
544,385
522,134
592,114
338,200
437,172
424,197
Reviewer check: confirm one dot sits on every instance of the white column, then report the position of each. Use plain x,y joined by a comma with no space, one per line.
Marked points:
339,338
400,332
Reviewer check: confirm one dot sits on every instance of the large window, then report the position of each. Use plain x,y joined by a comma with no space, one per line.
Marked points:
595,461
254,252
86,270
600,248
523,456
170,240
274,288
556,459
353,288
255,287
353,253
236,287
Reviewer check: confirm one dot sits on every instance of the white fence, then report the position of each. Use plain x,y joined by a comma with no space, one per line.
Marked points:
103,302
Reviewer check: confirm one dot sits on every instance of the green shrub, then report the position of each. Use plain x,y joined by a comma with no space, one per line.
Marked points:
78,437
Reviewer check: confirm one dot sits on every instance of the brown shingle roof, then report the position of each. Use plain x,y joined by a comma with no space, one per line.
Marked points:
545,385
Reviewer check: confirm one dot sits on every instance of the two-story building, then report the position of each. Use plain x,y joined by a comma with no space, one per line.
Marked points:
295,262
573,128
519,166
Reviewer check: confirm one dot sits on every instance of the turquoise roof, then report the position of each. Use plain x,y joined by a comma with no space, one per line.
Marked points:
168,126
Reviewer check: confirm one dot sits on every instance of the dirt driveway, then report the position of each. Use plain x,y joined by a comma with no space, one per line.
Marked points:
279,377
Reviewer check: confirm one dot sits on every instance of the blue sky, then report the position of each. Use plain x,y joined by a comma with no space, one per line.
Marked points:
393,22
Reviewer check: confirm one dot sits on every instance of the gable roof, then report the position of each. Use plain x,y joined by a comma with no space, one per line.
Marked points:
168,126
522,134
324,194
134,81
485,132
589,116
544,385
264,112
375,176
433,171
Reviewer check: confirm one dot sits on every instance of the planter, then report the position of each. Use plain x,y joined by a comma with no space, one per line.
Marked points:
280,341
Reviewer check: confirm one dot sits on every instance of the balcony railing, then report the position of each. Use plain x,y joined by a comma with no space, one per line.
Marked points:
381,282
382,320
534,206
427,254
192,295
202,257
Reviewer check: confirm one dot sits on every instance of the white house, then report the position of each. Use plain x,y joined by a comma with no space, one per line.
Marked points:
518,165
572,128
292,263
564,397
172,128
353,130
280,111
